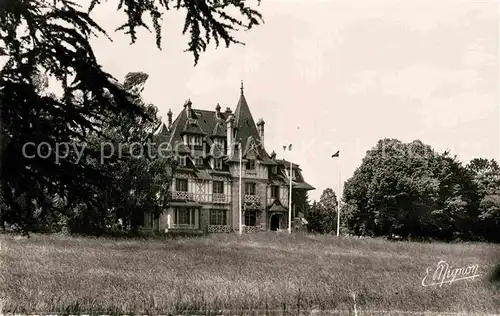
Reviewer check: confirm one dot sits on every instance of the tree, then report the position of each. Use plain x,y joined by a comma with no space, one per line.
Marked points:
486,175
323,214
410,190
35,41
141,177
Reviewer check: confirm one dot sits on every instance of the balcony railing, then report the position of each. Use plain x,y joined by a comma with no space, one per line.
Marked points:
182,195
201,197
219,198
252,198
219,228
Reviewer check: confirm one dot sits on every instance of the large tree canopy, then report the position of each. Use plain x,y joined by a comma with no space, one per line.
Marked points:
52,37
409,189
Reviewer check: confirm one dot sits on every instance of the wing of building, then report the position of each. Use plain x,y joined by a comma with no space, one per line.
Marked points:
205,186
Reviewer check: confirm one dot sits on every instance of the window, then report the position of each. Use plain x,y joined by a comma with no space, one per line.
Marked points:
181,185
218,163
219,142
184,216
195,140
182,161
217,217
250,218
274,170
250,188
251,164
275,191
198,161
218,187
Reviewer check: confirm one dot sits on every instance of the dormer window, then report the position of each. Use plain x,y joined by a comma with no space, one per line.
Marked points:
198,161
218,163
181,185
219,142
249,188
275,192
251,164
195,140
182,161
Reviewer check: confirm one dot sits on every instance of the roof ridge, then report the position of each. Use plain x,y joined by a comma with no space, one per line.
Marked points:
203,110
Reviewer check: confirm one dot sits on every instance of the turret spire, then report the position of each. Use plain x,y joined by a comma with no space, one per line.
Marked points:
241,87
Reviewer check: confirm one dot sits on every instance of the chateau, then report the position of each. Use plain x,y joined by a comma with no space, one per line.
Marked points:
205,186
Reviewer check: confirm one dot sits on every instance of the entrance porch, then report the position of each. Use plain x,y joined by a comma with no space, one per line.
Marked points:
277,217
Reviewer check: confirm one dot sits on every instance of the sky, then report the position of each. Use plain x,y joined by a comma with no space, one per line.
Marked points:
335,75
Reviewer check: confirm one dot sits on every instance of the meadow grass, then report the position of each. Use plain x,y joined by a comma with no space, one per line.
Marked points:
264,273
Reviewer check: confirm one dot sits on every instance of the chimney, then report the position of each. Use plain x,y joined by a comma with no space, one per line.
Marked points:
230,145
260,129
187,106
169,116
217,111
273,155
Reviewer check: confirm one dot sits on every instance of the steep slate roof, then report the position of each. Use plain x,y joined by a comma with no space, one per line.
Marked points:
205,122
299,182
162,136
286,164
219,130
192,127
302,185
163,130
211,125
277,207
246,130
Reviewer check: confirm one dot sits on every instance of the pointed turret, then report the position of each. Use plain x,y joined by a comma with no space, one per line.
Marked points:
163,130
244,123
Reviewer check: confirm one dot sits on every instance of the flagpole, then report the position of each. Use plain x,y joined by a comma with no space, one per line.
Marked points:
240,201
339,193
338,200
290,203
290,192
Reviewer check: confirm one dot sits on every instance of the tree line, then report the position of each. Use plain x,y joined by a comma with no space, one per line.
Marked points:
412,191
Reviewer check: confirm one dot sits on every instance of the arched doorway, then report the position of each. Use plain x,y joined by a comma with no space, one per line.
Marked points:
275,222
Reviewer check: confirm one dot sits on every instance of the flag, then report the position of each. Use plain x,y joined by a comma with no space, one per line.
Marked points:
336,154
290,147
284,147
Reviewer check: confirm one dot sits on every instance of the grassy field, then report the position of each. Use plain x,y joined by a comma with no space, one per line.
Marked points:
231,274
